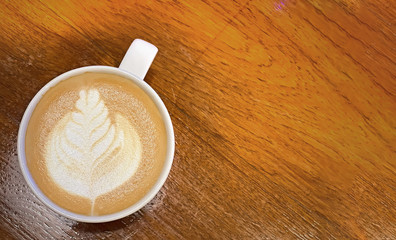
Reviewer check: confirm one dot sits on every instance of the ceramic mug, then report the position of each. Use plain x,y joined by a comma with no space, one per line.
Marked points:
134,67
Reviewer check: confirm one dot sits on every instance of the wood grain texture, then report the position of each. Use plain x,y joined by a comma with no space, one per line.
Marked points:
284,114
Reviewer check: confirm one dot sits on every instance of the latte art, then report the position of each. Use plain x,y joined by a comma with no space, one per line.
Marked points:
95,144
85,152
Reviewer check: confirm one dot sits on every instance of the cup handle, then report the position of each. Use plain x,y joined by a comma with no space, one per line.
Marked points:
138,58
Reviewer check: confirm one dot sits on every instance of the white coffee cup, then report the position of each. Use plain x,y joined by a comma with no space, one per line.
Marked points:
134,66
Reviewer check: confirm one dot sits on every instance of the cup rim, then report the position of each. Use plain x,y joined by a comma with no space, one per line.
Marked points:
154,189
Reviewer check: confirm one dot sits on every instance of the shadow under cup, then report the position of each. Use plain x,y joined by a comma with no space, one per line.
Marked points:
127,196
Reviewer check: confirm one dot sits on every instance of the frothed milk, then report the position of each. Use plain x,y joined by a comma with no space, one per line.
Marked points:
95,143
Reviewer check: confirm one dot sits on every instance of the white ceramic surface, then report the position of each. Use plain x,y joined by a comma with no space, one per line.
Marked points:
134,66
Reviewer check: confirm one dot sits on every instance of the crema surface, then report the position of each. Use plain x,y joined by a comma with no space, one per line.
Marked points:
95,143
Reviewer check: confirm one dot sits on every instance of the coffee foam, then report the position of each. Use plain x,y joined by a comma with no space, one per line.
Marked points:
95,144
85,152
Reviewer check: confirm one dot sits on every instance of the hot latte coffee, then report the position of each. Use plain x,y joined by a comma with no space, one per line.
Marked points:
95,144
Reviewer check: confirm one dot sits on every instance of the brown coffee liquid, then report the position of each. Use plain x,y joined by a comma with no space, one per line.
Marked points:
95,143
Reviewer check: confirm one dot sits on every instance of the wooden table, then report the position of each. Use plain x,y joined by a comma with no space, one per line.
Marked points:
284,114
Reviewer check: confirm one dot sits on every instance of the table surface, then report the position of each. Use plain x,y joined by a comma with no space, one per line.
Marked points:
284,114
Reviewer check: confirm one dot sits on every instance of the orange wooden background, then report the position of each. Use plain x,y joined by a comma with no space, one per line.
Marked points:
284,113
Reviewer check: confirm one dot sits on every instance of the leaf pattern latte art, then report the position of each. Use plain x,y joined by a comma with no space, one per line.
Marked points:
88,154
